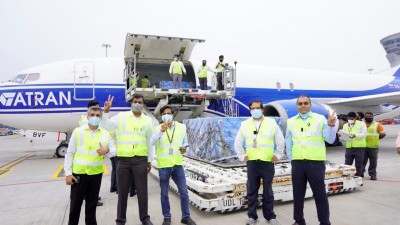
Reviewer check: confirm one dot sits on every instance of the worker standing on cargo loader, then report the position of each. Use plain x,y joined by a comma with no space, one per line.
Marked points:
83,165
375,132
355,149
202,74
171,143
306,134
133,131
176,70
260,134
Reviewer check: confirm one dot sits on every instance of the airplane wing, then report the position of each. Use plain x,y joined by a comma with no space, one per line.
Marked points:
392,98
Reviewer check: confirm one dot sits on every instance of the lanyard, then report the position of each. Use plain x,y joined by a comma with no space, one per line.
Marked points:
172,138
256,131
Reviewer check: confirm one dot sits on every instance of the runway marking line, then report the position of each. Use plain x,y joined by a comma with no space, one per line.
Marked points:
60,171
6,169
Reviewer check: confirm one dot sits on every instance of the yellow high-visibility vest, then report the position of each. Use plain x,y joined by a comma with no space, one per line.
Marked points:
372,138
220,68
203,71
264,147
308,142
131,135
355,142
177,67
86,160
168,154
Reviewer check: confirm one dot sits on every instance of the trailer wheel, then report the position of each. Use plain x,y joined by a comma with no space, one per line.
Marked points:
61,150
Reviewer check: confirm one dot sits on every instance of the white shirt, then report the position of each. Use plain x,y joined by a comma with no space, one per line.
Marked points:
113,123
278,140
69,156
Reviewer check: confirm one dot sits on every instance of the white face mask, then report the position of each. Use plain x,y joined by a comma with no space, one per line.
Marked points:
136,107
175,58
351,122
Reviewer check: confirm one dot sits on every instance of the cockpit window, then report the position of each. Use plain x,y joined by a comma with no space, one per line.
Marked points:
32,77
20,78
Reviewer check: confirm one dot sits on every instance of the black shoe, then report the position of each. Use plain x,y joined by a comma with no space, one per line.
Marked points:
167,221
132,193
99,203
373,177
147,222
113,190
188,221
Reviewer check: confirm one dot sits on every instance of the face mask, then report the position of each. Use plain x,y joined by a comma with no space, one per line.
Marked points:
94,121
175,58
369,120
167,118
256,113
204,64
350,122
136,107
221,60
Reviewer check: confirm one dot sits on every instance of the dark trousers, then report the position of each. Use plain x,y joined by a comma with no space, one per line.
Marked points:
357,155
203,83
220,86
137,166
372,155
113,174
87,189
257,170
314,173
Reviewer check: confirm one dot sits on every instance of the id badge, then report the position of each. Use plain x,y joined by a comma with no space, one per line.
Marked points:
255,144
171,151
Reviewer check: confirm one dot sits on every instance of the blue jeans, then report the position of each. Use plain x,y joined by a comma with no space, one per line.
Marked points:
178,176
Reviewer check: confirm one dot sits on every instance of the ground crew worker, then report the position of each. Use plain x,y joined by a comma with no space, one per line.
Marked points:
219,68
83,165
259,134
375,132
83,121
133,131
176,70
355,149
202,74
145,83
171,143
306,134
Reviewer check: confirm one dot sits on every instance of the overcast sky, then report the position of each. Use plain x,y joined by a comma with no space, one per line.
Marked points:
340,35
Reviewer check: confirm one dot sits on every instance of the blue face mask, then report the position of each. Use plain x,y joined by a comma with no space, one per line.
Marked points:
94,121
256,113
167,118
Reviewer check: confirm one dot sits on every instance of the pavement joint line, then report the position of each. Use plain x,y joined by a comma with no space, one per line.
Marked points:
15,162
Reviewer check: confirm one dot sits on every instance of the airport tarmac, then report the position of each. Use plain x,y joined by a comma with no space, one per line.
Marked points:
30,194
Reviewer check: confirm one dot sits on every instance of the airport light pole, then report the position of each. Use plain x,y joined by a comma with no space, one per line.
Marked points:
106,46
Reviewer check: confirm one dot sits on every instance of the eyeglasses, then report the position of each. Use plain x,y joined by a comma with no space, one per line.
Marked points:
302,103
140,102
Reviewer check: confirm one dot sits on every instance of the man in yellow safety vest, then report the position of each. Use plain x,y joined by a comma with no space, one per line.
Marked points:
259,135
176,70
83,165
171,143
133,131
202,74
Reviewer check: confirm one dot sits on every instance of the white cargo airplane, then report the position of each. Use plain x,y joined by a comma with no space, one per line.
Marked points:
48,100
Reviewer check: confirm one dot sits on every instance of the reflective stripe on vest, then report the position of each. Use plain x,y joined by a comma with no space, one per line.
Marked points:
308,142
86,160
165,157
203,71
177,67
264,149
220,68
372,138
131,135
355,142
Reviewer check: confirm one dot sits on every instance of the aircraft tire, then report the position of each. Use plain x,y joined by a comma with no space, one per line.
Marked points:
61,150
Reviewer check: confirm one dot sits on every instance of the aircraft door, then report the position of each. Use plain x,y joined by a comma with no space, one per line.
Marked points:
84,81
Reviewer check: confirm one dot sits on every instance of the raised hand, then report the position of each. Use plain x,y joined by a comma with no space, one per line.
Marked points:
108,104
331,118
